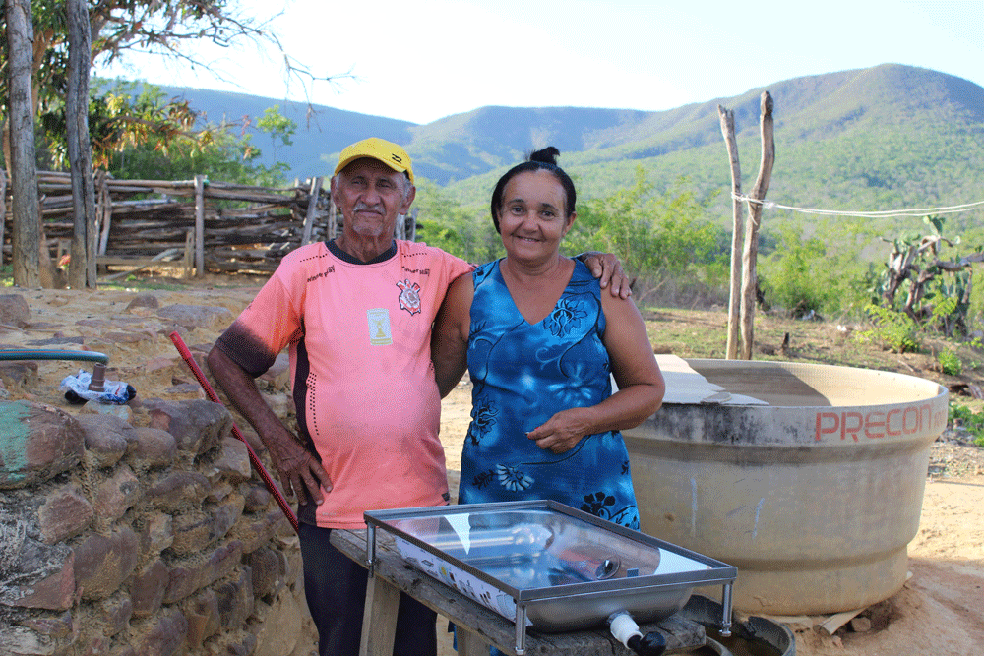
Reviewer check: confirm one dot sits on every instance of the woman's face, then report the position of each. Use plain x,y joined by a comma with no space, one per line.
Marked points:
533,216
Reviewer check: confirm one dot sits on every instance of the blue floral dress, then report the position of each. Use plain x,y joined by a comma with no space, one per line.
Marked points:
522,375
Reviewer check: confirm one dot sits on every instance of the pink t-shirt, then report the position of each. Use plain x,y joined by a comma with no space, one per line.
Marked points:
361,373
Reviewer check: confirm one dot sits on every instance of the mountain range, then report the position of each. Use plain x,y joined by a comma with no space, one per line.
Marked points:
878,138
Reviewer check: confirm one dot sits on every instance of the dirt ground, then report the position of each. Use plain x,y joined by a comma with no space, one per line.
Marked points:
938,611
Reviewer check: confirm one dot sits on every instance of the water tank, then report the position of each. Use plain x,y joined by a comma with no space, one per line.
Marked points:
807,478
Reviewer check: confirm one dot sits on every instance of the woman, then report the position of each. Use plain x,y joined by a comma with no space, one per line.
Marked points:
541,342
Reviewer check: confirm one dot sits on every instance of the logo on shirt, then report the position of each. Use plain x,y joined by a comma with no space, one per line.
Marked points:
380,332
409,296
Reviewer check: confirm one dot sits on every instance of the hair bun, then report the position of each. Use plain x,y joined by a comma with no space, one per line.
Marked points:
546,155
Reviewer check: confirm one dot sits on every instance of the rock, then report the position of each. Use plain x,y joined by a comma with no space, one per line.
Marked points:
114,613
116,494
152,448
161,362
123,412
147,589
32,574
203,618
257,498
162,636
280,403
156,533
65,513
255,531
19,373
192,532
55,591
32,634
107,437
277,375
193,574
235,599
267,571
178,489
233,461
282,627
239,643
196,425
221,489
142,301
58,626
226,514
39,442
14,310
196,316
861,625
103,563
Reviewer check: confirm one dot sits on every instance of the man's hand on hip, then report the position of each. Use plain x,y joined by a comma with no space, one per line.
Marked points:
299,471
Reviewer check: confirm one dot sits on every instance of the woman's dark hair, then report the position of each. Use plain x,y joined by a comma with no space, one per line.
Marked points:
538,160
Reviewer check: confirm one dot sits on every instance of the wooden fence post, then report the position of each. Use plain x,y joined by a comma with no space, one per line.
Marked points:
333,220
312,209
189,247
200,226
105,211
749,283
3,210
411,225
737,231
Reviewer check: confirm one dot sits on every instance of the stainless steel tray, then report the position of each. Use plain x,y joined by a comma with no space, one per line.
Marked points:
549,566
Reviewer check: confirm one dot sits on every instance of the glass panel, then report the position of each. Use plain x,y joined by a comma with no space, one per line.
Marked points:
538,548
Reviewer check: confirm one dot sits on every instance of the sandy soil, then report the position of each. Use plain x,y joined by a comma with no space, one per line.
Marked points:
938,611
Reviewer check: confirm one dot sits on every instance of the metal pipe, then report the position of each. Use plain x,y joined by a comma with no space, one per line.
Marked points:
726,610
53,354
98,383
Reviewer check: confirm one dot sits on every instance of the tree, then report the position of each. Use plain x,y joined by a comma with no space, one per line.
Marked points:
917,268
278,126
20,150
41,52
118,26
446,224
666,237
127,132
82,269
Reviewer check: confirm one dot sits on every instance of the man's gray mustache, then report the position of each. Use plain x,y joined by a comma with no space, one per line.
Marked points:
362,206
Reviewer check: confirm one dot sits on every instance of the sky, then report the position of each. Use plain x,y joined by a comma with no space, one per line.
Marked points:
422,61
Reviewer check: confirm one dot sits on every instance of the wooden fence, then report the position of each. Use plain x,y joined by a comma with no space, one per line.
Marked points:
199,225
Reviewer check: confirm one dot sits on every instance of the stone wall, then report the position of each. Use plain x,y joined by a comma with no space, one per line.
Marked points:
147,537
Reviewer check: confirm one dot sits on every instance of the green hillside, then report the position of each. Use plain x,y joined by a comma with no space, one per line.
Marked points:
880,138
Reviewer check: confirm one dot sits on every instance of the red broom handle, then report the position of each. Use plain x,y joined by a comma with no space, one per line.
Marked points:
200,375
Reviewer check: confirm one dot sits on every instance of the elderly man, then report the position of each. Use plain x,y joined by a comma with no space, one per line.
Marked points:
356,314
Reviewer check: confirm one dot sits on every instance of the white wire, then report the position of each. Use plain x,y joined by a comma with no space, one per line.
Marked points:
876,213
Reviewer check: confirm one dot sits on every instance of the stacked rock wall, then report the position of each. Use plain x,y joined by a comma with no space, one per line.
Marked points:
152,540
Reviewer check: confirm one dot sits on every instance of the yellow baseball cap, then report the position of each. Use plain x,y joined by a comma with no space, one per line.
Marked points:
388,153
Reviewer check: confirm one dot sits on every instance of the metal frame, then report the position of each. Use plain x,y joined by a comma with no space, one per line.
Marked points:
717,572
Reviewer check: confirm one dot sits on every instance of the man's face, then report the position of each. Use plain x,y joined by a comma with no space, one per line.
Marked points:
370,195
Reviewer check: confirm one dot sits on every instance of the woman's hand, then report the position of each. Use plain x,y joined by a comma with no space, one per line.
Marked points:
563,431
